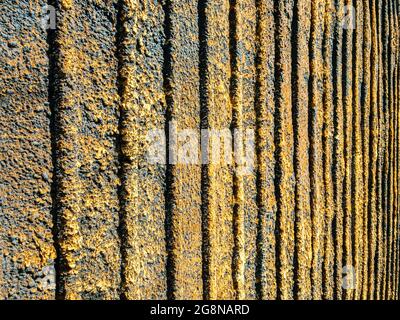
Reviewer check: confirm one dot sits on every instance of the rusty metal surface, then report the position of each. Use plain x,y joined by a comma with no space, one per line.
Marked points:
86,214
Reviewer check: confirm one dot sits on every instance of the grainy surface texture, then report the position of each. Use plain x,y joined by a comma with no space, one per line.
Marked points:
210,149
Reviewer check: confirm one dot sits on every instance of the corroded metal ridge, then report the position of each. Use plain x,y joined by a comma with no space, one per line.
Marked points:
143,108
86,165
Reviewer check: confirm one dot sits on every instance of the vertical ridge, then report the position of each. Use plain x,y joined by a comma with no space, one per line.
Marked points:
284,171
357,191
242,47
143,148
184,149
265,135
300,79
316,150
219,171
87,157
328,136
27,253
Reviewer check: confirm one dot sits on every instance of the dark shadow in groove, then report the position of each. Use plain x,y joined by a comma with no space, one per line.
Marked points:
384,169
233,87
369,121
295,123
169,178
335,158
122,160
311,152
53,98
261,210
378,160
364,134
390,111
203,57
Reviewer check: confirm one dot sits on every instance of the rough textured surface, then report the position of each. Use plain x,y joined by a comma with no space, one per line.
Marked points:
86,214
27,252
85,130
144,255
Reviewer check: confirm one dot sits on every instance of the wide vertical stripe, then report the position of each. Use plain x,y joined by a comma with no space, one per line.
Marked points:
27,252
143,115
218,176
301,74
243,54
86,121
184,114
316,116
265,107
357,192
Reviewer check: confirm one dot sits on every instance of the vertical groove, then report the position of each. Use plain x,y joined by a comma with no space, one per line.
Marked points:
391,155
204,125
168,193
348,133
366,137
356,178
53,93
373,152
379,205
236,95
87,172
338,145
122,214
